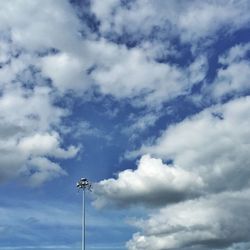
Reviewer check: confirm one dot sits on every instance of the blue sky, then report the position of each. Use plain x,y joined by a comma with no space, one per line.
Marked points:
147,99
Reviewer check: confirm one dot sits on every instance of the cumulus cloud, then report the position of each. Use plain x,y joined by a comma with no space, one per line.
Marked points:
202,19
27,128
77,64
152,183
213,144
195,20
80,64
210,157
30,120
55,33
125,73
29,124
233,78
129,73
40,170
203,147
67,72
45,144
133,75
114,69
55,25
216,221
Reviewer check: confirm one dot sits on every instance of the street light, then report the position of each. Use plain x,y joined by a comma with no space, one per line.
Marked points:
83,184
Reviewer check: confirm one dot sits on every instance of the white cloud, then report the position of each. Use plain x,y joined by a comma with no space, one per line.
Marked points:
198,69
12,67
119,71
40,170
116,70
195,20
213,144
28,103
203,18
45,144
124,73
113,16
215,221
129,73
152,183
104,10
67,71
235,54
30,119
140,123
233,78
55,24
27,129
5,51
203,151
211,149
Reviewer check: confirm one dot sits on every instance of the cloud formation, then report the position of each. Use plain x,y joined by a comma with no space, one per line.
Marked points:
26,133
213,144
210,157
30,119
48,58
195,20
152,183
143,54
214,221
229,81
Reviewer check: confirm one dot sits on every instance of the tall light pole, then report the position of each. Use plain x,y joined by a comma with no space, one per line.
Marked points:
83,184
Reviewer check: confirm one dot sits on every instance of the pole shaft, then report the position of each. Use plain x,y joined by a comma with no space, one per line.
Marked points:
83,219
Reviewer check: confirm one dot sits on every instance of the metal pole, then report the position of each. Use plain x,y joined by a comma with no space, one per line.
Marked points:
83,184
83,219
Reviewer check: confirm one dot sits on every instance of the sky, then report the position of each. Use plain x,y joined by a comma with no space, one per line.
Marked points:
149,100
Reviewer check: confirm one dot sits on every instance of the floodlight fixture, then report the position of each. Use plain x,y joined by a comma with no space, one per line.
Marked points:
84,184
